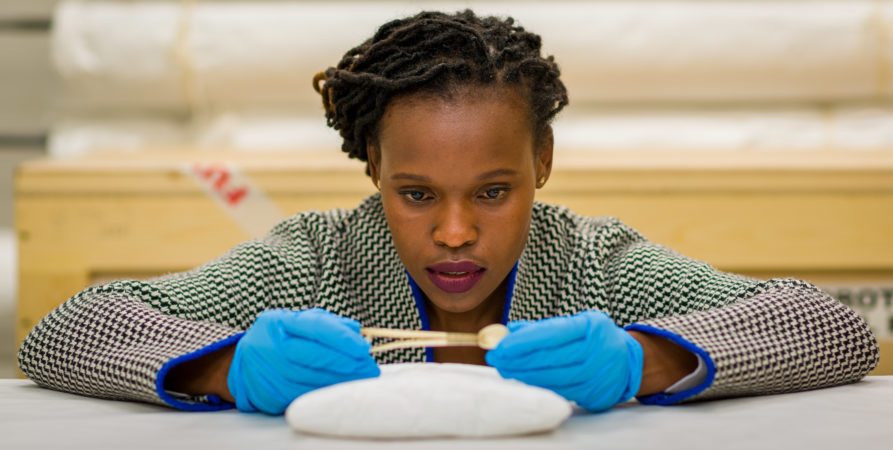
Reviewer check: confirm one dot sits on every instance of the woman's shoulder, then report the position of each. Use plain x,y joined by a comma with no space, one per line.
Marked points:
561,229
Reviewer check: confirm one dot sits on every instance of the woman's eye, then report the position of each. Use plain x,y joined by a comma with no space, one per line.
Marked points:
494,193
415,196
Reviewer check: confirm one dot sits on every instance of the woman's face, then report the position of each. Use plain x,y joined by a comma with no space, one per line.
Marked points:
457,179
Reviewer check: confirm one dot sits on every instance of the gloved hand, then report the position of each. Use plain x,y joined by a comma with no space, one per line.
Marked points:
585,358
285,354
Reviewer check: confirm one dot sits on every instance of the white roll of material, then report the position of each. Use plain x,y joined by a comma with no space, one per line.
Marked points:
698,129
671,51
192,55
78,136
794,128
269,131
428,400
189,55
265,131
847,127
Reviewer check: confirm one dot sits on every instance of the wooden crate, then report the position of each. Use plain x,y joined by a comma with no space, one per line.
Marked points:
827,218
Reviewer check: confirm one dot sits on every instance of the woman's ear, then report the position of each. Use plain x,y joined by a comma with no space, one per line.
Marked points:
373,158
544,157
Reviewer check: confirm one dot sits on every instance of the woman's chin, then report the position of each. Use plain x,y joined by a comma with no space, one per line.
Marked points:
455,305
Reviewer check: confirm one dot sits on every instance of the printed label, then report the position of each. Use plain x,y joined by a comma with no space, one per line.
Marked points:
244,202
874,302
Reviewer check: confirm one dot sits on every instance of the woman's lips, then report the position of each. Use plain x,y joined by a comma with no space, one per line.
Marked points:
455,277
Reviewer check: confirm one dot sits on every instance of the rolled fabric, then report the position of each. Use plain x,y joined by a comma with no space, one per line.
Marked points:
780,128
867,127
170,55
266,131
695,128
243,54
238,130
76,136
721,51
856,126
117,55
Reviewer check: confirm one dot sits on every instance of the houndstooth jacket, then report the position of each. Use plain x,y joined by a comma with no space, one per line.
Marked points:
118,340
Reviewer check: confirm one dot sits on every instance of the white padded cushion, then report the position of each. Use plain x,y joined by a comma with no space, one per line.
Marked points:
428,400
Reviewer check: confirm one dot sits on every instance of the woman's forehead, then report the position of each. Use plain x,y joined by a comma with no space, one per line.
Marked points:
425,130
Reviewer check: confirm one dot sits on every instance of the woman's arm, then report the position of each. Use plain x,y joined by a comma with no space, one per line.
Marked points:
120,339
755,337
664,364
205,375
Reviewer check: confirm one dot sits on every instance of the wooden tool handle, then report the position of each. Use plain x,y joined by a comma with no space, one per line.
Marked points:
419,338
402,334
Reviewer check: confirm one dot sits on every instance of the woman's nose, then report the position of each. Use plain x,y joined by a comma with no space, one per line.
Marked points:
455,226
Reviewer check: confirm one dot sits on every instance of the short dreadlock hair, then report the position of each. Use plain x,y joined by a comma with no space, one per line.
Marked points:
439,54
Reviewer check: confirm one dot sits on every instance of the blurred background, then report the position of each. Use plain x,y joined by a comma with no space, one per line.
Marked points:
784,82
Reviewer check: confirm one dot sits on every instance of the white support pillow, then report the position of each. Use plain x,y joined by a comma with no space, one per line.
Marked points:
428,400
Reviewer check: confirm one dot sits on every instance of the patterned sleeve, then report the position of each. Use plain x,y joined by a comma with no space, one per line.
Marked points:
756,337
116,340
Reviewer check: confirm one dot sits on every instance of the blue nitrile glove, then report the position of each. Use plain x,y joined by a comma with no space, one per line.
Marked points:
585,358
288,353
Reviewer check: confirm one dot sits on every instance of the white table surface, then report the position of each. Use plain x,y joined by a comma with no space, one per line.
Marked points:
853,417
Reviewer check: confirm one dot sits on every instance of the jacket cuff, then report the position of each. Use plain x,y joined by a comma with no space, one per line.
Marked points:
188,402
666,398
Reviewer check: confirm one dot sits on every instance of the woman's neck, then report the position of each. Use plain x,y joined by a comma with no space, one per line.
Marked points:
489,311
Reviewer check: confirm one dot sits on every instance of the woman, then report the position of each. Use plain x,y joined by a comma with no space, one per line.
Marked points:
452,115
